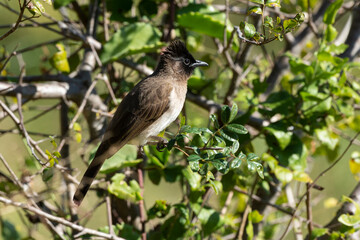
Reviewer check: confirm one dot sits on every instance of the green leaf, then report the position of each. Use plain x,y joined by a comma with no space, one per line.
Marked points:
78,137
252,157
331,11
273,3
283,174
214,119
256,217
268,22
209,218
237,161
160,209
39,5
219,164
330,33
282,136
349,220
255,9
255,166
204,19
235,146
209,176
52,140
298,67
338,49
59,59
225,114
193,157
249,228
318,232
289,24
192,177
248,28
61,3
237,128
8,230
77,127
234,111
125,157
131,39
48,2
194,165
257,1
122,190
204,169
47,174
294,155
327,138
228,135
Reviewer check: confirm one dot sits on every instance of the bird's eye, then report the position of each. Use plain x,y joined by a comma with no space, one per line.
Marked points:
186,61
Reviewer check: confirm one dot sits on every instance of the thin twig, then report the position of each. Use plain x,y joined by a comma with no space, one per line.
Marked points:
309,211
83,104
108,214
241,229
63,221
21,118
315,180
22,9
141,204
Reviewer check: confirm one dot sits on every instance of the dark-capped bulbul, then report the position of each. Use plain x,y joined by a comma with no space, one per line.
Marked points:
154,103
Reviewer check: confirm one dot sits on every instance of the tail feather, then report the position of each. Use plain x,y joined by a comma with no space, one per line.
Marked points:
105,151
87,179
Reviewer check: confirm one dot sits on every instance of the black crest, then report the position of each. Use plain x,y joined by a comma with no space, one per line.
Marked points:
177,49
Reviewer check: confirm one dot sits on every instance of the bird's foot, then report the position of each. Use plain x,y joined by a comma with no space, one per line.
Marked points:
161,143
141,153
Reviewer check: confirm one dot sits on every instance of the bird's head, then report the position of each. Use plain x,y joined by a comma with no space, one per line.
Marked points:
177,59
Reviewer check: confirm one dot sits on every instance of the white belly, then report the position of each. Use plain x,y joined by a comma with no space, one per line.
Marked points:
176,104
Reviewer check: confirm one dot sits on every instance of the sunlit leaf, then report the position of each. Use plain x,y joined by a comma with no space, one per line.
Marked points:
47,174
78,137
122,190
327,138
125,157
8,230
233,113
255,9
330,33
59,59
204,19
61,3
256,217
237,128
273,3
257,1
228,135
331,11
268,22
130,39
283,174
248,28
318,232
192,177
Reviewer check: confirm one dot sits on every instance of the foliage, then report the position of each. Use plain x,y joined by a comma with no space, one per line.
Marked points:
235,163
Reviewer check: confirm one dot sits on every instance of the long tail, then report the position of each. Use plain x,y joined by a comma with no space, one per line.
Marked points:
104,151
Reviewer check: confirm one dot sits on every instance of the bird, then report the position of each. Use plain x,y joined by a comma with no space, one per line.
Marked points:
153,104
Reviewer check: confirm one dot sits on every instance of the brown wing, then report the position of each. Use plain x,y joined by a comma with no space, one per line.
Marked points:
138,110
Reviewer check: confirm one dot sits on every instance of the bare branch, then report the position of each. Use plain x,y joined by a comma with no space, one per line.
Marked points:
63,221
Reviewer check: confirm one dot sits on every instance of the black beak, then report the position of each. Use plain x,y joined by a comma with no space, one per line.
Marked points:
199,64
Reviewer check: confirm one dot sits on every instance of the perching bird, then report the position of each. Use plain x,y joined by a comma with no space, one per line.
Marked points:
154,103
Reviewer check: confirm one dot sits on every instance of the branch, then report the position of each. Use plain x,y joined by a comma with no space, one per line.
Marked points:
22,9
316,179
63,221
